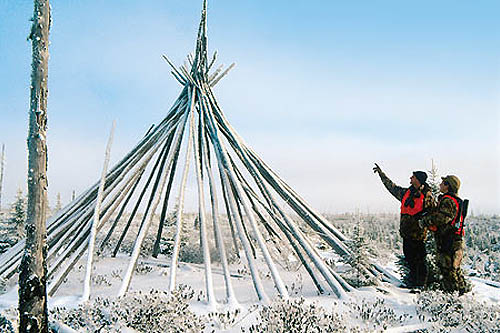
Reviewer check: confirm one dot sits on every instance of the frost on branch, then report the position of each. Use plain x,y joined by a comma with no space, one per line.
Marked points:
144,312
449,312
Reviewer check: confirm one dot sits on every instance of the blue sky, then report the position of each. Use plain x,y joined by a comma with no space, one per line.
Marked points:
322,89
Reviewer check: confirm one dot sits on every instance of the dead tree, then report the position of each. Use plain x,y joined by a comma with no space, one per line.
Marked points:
33,268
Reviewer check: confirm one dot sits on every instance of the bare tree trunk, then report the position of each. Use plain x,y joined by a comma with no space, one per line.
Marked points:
33,268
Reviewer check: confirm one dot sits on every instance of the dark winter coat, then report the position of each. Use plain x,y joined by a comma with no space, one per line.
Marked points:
408,225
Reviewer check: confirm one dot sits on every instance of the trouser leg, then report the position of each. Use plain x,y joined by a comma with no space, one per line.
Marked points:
421,271
449,264
415,253
408,255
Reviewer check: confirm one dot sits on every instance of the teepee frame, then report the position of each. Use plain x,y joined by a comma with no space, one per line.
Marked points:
235,176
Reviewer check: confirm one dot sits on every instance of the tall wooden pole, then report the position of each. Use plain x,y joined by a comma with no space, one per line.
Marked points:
33,268
95,221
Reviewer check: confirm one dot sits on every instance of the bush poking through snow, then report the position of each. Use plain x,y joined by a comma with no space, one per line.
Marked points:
143,269
144,312
464,313
225,320
100,280
5,325
191,253
376,314
297,316
295,288
3,286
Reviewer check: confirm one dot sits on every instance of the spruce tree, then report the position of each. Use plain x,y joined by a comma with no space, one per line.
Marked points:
17,218
434,179
58,202
430,244
359,258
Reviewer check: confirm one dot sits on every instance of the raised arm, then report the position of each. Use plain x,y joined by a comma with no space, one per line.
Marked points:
397,191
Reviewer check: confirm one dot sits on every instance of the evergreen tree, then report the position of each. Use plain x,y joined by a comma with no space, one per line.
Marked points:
58,202
17,218
359,258
430,244
434,179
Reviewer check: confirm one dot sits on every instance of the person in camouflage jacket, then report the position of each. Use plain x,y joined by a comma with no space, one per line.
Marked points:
416,201
448,225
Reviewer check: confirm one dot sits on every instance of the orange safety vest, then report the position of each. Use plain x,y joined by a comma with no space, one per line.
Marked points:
417,207
458,216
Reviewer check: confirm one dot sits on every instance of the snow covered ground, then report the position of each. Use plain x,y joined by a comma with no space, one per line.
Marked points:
385,307
393,306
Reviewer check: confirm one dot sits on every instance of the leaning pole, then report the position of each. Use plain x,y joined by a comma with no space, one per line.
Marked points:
2,164
33,268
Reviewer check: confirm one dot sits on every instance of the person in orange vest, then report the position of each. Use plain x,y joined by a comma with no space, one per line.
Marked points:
447,222
416,200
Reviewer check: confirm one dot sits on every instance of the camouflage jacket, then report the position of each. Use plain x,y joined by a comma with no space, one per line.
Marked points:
442,217
408,224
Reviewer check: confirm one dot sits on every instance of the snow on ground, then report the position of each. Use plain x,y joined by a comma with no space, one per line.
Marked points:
152,274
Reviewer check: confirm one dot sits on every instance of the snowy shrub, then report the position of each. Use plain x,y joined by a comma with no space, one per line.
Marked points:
376,314
142,268
231,256
147,245
243,271
295,288
191,253
117,274
144,312
4,245
482,253
460,313
3,286
5,325
225,320
297,316
201,295
100,280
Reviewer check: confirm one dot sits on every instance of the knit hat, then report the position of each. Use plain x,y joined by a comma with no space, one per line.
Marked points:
421,176
453,183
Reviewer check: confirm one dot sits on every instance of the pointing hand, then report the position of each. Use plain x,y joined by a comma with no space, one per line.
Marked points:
376,169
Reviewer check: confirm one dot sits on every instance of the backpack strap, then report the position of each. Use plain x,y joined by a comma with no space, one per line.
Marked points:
459,216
